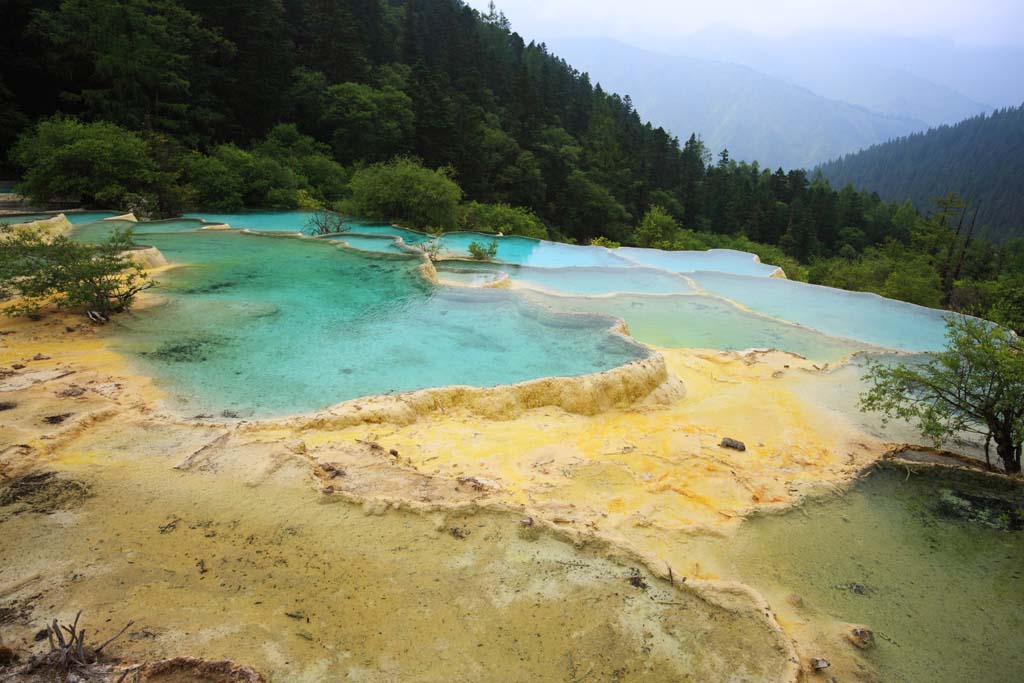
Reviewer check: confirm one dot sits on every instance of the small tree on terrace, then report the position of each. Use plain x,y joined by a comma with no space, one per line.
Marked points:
975,385
326,222
100,279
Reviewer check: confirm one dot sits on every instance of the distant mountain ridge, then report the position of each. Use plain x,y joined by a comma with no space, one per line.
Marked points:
981,158
757,117
897,76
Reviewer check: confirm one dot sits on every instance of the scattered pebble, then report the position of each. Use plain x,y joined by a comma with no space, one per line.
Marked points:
733,444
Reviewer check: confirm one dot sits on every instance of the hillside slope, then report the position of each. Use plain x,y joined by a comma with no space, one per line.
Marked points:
755,116
981,158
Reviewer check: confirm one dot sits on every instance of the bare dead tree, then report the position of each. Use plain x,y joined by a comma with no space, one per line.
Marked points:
326,222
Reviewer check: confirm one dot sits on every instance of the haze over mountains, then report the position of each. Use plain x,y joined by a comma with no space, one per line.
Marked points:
757,117
803,100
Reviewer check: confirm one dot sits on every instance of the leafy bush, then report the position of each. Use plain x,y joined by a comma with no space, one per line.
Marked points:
658,229
503,218
403,190
604,242
99,278
91,163
479,252
213,184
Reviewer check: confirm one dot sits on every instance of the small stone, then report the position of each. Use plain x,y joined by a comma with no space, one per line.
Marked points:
862,637
733,444
393,452
819,664
18,366
526,521
40,356
795,600
480,484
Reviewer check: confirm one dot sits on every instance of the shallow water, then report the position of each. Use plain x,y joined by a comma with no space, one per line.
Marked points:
97,231
231,317
854,315
943,595
274,325
408,236
374,243
74,217
586,281
269,221
694,321
468,276
720,260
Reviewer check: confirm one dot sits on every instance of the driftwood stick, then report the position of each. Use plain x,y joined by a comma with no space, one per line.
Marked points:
117,635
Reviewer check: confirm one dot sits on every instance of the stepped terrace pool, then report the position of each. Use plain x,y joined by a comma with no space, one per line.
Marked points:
270,325
264,325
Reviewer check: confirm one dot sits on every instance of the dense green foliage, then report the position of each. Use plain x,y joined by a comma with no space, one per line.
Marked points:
981,158
483,252
501,218
99,278
975,385
404,190
400,110
93,163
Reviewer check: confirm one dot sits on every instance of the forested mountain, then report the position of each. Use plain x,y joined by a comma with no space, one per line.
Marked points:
757,117
981,158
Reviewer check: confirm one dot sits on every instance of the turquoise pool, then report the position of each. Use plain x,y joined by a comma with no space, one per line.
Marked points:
855,315
591,281
261,325
693,321
408,236
74,217
719,260
97,231
275,324
515,250
375,243
269,221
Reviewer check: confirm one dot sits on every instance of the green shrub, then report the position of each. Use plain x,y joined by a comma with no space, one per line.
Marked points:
99,278
503,218
214,185
658,229
479,252
403,190
91,163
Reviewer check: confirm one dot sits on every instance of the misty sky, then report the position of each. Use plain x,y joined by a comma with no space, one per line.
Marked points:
980,22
